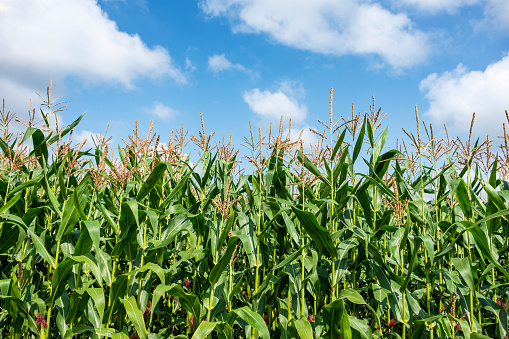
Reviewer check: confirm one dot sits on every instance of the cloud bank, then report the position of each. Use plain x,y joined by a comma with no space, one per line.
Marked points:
454,96
56,39
336,27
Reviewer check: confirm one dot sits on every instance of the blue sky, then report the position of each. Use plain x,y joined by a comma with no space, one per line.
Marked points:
240,61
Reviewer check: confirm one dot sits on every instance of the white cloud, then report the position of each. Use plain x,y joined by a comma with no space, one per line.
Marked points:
454,96
219,63
272,105
60,38
335,27
435,6
496,14
75,38
162,111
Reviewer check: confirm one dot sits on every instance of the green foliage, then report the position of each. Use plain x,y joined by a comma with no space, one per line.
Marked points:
154,246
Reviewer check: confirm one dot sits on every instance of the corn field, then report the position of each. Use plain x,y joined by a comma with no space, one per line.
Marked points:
149,244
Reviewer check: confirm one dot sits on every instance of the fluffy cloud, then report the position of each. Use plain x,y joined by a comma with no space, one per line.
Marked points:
454,96
75,37
219,63
162,111
335,27
54,39
496,13
271,105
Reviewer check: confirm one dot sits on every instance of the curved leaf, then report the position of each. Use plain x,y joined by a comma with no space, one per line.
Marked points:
136,317
321,237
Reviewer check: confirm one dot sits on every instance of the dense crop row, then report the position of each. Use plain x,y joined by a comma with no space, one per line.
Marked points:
154,246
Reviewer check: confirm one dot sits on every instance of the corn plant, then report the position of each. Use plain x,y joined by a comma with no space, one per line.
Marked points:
149,244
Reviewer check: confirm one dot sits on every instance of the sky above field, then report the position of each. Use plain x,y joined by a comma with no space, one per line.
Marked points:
241,61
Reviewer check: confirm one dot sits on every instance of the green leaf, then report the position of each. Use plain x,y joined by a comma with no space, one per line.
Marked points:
9,234
66,130
494,196
14,219
464,199
361,327
154,268
97,294
227,228
206,174
22,308
475,335
79,329
412,264
136,317
219,268
153,178
344,321
464,268
331,318
9,204
61,180
181,183
253,319
79,208
41,248
352,295
69,215
40,147
26,184
290,228
371,138
189,301
177,225
104,263
338,144
59,279
303,327
360,140
321,237
28,133
94,228
381,143
204,330
117,290
289,259
310,166
51,195
106,214
78,302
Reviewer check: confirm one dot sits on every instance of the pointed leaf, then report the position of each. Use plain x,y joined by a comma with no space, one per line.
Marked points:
219,268
156,174
204,330
321,237
254,319
303,327
136,317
